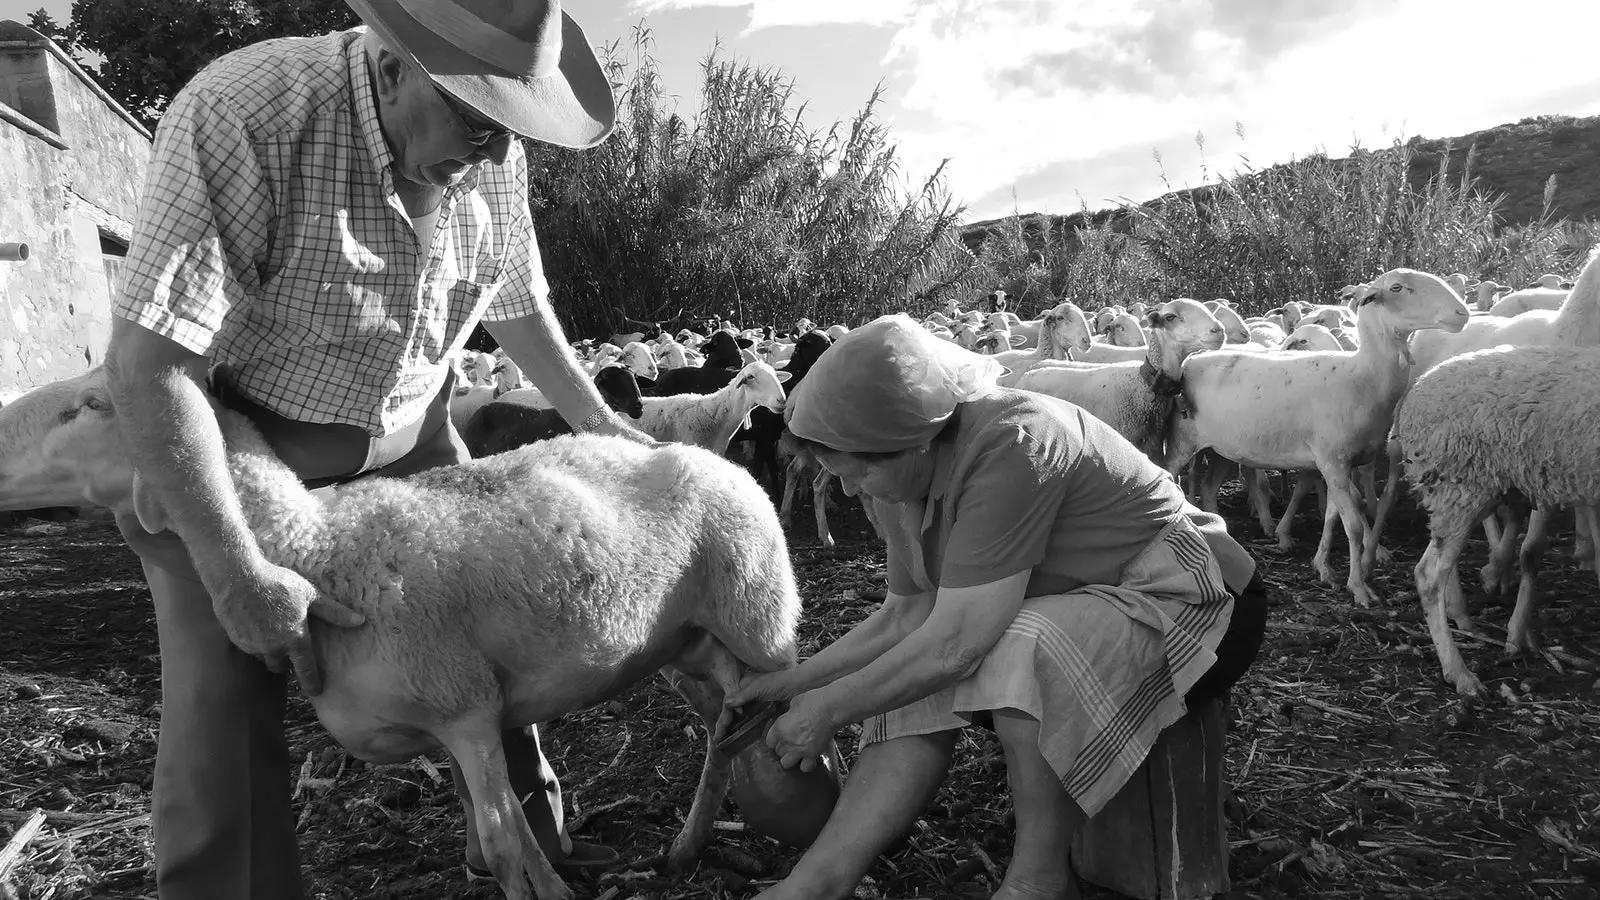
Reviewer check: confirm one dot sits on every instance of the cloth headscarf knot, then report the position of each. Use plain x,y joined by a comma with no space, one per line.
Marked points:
885,387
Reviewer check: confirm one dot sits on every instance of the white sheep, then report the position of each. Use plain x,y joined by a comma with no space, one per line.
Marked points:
605,560
1529,430
1311,336
1326,411
836,331
1135,397
1104,316
1486,293
1575,324
710,420
1065,334
1232,323
1268,334
1125,330
1518,302
641,361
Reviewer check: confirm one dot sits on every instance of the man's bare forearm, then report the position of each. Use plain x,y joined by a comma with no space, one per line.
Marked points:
538,347
173,440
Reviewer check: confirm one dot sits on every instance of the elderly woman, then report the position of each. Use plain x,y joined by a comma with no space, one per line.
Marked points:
1045,579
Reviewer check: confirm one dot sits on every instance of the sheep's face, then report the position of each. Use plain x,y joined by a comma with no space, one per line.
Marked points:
1406,300
1068,327
1188,323
1233,326
671,356
61,445
1103,318
893,478
1329,317
763,384
1124,331
1311,336
638,358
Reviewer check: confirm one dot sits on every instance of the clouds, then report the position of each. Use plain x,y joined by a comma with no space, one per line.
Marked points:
1054,99
1181,48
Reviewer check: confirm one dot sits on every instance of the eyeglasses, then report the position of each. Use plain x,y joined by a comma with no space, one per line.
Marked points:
480,131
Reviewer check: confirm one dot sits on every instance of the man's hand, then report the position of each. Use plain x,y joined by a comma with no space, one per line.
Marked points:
264,612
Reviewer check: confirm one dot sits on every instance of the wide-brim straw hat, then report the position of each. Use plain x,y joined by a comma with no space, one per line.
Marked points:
524,64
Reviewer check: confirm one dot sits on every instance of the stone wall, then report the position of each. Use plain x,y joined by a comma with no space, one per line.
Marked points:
69,189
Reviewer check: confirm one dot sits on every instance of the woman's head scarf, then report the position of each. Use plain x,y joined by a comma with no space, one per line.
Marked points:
885,387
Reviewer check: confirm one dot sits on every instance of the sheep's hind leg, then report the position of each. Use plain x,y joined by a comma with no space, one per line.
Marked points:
819,500
1439,589
1302,486
1501,532
791,484
1585,546
703,674
1373,554
509,847
1344,497
1319,560
1520,631
1255,481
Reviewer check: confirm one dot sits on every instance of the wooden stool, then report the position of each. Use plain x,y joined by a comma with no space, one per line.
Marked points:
1164,834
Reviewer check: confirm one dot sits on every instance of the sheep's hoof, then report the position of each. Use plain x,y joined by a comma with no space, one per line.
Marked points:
681,857
1362,594
1496,579
827,542
1467,685
1384,557
1285,544
1518,644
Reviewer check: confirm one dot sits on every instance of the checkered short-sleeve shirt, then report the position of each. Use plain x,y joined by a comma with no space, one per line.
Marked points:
269,238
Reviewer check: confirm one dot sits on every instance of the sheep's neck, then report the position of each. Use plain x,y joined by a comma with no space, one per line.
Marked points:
1578,319
733,408
1383,350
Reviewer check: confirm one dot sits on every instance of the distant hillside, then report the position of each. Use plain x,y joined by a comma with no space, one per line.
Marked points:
1513,161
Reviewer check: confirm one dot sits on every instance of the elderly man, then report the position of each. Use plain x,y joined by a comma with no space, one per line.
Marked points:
325,221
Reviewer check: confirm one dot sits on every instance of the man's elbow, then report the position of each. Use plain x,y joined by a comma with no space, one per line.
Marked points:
137,356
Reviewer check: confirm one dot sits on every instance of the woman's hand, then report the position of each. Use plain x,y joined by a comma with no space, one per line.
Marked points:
800,736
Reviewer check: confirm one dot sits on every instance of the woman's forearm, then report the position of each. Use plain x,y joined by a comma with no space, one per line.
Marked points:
913,668
949,645
886,627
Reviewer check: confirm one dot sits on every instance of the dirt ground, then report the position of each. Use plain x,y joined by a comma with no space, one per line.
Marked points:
1355,770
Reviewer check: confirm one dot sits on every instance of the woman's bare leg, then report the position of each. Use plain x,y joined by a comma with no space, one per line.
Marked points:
1047,818
890,785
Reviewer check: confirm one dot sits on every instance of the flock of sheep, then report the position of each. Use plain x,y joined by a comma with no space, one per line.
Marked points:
611,560
1397,367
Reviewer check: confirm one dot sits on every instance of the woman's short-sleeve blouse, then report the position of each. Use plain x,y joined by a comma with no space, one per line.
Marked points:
1033,482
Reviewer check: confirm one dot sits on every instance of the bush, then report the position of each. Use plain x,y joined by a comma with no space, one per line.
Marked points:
739,210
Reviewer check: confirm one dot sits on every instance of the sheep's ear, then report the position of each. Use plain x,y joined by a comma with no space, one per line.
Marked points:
1153,318
783,376
1365,294
1018,340
152,516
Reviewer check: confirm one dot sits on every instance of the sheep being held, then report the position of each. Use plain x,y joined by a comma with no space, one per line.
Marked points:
609,560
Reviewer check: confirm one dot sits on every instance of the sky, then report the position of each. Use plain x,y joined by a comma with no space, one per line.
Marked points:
1051,105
